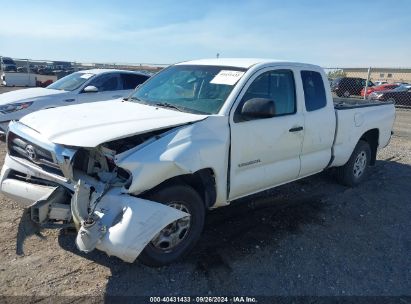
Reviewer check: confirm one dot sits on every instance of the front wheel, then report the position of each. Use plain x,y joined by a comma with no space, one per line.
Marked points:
179,237
356,169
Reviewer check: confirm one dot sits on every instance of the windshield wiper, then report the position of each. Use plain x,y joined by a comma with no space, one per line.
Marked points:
168,105
157,104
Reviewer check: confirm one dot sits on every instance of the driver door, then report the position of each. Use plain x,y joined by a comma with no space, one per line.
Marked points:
265,152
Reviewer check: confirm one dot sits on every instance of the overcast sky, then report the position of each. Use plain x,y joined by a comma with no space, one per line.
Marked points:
336,33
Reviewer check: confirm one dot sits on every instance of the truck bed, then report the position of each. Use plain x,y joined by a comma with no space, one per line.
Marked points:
351,103
365,115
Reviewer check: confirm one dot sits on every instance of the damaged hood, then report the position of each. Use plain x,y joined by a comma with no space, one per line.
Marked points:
91,124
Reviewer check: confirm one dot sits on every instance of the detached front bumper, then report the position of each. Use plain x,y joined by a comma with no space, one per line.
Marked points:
24,193
122,225
118,223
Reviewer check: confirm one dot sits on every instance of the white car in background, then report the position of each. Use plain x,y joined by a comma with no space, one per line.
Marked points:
79,87
380,82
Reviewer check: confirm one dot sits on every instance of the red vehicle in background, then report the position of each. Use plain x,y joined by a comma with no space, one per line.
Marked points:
383,87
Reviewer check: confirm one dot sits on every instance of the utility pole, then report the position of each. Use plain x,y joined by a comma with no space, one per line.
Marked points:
366,84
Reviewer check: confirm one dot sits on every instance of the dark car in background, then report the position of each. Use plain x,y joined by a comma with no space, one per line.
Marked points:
46,69
347,86
8,64
23,69
399,96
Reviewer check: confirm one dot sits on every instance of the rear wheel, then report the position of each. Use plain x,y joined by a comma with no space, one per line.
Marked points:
179,237
356,169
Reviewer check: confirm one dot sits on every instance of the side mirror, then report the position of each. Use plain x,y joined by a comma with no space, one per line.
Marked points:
258,108
90,89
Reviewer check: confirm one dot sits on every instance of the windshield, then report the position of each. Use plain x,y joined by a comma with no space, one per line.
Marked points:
190,88
70,82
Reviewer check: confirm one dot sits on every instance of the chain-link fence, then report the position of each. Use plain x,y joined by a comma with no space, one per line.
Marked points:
28,72
380,84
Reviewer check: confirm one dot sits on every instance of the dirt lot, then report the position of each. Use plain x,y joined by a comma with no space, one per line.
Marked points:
311,237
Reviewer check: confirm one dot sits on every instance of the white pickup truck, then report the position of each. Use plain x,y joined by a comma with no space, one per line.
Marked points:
135,177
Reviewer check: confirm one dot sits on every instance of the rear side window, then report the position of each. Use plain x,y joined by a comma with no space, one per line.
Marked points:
314,91
131,81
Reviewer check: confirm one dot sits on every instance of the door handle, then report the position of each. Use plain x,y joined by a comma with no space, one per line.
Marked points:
296,129
69,100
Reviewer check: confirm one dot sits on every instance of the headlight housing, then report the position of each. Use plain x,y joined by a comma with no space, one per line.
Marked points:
13,107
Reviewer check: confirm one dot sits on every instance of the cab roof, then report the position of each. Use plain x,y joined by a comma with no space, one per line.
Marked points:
242,62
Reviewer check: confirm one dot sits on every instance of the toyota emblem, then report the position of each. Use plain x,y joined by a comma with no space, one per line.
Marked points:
31,152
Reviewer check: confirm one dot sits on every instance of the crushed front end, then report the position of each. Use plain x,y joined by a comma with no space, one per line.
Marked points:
84,188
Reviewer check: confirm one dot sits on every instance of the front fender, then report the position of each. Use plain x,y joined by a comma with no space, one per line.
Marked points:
201,145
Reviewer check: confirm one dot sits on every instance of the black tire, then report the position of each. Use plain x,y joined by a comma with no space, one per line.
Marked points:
349,175
187,196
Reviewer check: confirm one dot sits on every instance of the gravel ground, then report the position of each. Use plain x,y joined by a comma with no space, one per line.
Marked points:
310,237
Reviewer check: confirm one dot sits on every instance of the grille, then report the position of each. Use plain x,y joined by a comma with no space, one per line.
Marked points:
42,158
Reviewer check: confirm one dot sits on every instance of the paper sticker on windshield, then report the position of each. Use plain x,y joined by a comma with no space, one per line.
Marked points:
86,76
227,77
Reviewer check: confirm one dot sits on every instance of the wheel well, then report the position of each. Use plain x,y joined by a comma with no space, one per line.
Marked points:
371,137
203,181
